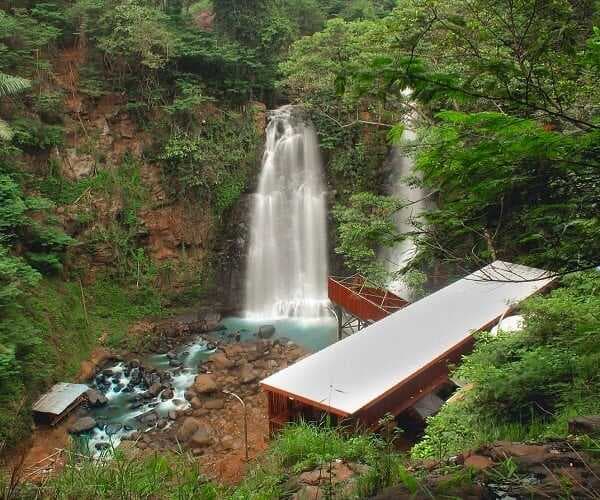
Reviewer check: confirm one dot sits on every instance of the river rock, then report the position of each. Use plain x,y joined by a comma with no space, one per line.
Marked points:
201,437
247,375
266,331
95,398
112,429
221,361
214,404
83,424
172,415
205,384
149,418
167,394
189,426
189,395
154,389
196,403
102,445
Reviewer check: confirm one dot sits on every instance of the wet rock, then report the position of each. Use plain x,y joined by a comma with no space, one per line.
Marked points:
187,429
149,418
196,403
200,412
95,398
266,331
112,429
134,363
101,446
214,404
585,425
161,423
205,384
82,425
172,355
172,415
189,395
175,363
167,394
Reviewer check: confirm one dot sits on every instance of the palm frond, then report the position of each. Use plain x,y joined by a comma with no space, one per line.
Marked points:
12,84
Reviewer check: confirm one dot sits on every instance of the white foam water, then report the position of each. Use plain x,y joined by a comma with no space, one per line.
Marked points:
287,258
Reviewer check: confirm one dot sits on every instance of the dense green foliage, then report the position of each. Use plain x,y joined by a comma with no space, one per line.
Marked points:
505,102
507,114
526,385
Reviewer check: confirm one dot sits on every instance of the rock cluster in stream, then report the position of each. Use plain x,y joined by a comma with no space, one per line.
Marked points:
203,427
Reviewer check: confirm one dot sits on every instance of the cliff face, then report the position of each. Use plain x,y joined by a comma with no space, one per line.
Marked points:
118,202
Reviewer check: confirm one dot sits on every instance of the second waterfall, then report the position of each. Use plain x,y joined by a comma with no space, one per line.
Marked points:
287,258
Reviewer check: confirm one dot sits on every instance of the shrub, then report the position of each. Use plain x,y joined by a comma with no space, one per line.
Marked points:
527,384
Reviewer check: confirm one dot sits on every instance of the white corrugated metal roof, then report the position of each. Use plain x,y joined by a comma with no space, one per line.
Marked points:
353,372
59,398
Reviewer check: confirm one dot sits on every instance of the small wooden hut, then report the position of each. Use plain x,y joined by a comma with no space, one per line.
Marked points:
58,402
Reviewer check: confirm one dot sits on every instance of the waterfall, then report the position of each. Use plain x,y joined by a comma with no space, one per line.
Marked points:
287,258
399,256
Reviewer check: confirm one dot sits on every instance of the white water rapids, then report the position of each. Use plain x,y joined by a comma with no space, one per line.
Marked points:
287,258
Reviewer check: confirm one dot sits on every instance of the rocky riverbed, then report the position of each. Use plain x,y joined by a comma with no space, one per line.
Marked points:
178,400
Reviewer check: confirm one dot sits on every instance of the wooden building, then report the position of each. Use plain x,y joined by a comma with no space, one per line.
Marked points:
392,364
58,402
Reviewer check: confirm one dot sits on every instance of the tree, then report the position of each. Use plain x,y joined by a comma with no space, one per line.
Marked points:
510,145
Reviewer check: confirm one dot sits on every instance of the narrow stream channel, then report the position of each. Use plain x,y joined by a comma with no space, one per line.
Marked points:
135,404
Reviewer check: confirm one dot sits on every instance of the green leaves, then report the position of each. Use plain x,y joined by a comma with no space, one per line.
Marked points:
365,225
526,385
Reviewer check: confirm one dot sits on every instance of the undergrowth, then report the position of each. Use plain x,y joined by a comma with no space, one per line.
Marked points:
297,448
528,384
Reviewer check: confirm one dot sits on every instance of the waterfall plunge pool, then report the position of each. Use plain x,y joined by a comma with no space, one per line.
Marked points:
312,334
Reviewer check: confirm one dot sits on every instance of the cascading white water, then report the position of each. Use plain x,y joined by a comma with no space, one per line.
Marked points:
287,259
399,256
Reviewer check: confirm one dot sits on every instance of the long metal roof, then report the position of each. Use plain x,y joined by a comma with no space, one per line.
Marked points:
59,398
353,372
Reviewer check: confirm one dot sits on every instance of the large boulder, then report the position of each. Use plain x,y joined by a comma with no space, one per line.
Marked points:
201,438
154,389
205,384
187,429
82,425
266,331
214,404
248,375
95,398
221,361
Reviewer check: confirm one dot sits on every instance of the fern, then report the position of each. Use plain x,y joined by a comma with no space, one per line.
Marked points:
10,85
